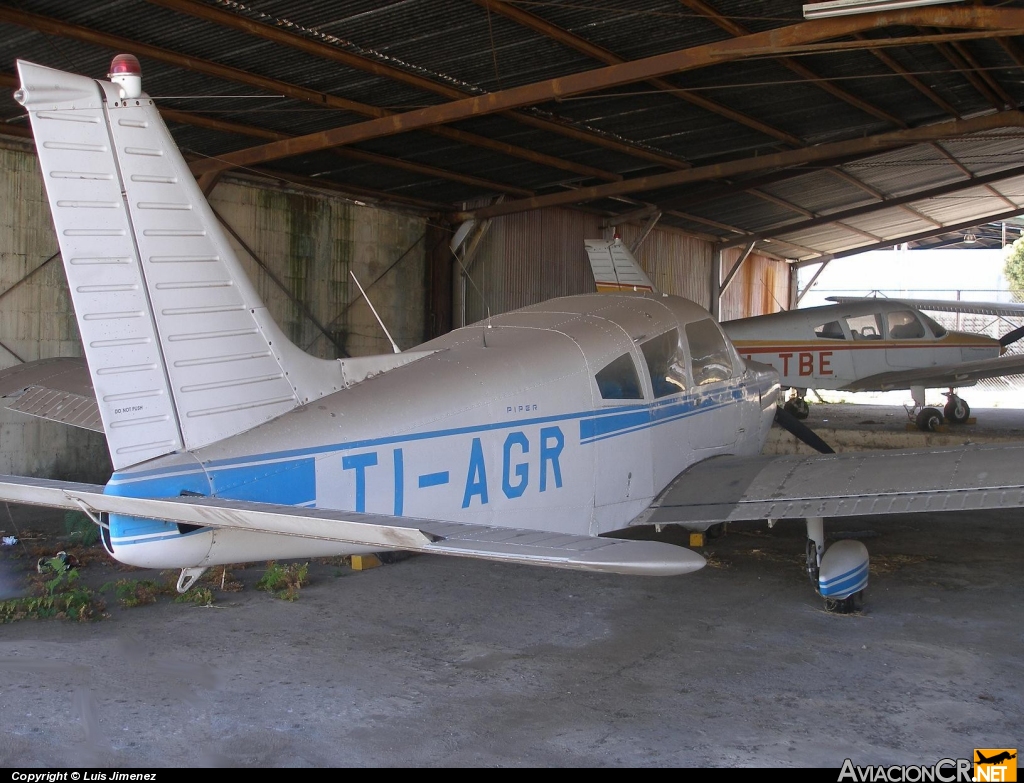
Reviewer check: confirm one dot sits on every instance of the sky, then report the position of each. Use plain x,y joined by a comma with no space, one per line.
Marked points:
977,275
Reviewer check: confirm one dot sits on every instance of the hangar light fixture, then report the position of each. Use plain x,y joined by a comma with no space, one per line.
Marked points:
970,238
848,7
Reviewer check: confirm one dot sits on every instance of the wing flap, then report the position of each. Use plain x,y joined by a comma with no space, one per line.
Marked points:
726,489
532,547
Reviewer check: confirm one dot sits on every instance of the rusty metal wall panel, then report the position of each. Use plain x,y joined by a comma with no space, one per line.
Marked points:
527,258
533,256
676,263
760,287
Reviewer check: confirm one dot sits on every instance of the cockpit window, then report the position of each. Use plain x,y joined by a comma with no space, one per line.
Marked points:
710,358
666,363
618,380
830,331
865,327
903,325
937,329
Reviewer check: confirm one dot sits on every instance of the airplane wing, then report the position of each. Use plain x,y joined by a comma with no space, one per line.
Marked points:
531,547
727,489
952,375
58,389
1008,309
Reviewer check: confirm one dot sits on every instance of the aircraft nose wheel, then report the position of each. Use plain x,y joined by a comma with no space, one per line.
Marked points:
812,562
847,605
956,410
797,408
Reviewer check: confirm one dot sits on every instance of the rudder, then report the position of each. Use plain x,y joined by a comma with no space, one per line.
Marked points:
181,351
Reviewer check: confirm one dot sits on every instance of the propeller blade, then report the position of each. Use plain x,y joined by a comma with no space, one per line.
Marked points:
801,431
1011,337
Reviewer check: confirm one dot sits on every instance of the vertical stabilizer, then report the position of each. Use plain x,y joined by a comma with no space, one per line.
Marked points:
181,350
614,267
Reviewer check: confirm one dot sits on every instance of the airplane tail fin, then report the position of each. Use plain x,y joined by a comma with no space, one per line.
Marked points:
181,351
615,268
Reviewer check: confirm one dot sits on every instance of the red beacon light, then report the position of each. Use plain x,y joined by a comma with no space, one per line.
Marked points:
126,73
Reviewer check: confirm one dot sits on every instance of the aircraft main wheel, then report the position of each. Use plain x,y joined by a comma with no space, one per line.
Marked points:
956,410
929,420
797,408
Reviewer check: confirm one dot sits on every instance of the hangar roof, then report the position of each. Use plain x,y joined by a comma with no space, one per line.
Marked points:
737,120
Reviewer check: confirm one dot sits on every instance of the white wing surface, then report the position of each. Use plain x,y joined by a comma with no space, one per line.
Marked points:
531,547
951,375
1004,309
726,489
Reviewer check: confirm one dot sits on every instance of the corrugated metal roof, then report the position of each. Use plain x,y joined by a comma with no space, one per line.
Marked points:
767,102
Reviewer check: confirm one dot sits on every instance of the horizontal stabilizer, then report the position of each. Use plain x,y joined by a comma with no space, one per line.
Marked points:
58,389
531,547
615,268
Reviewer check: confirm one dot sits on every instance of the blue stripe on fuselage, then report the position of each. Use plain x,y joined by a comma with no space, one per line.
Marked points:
289,477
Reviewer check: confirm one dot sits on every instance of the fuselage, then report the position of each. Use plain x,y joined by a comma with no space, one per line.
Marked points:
569,416
836,346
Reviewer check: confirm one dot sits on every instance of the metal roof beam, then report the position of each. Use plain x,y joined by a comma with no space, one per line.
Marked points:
913,237
955,57
358,62
208,68
921,195
878,143
226,126
796,67
912,80
993,21
599,53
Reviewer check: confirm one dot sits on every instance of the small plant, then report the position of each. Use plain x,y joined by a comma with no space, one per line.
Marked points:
135,592
80,529
200,596
60,597
284,581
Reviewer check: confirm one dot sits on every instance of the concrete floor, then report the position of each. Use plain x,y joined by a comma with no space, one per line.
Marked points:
443,662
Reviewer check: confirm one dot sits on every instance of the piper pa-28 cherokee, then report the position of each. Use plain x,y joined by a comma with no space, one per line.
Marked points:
859,344
524,439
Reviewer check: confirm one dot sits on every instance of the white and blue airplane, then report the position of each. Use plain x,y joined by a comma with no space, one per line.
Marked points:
530,438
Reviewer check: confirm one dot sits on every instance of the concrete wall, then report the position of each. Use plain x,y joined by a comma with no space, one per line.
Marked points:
308,241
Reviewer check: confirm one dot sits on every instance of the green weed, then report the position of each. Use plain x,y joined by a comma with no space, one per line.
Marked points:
80,529
60,597
135,592
200,596
284,581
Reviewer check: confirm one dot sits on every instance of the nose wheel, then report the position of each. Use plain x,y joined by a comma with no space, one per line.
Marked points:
797,407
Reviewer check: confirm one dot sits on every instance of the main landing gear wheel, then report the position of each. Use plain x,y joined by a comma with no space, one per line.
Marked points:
797,408
929,420
956,410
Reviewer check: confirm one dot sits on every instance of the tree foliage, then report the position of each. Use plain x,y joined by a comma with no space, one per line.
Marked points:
1013,269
